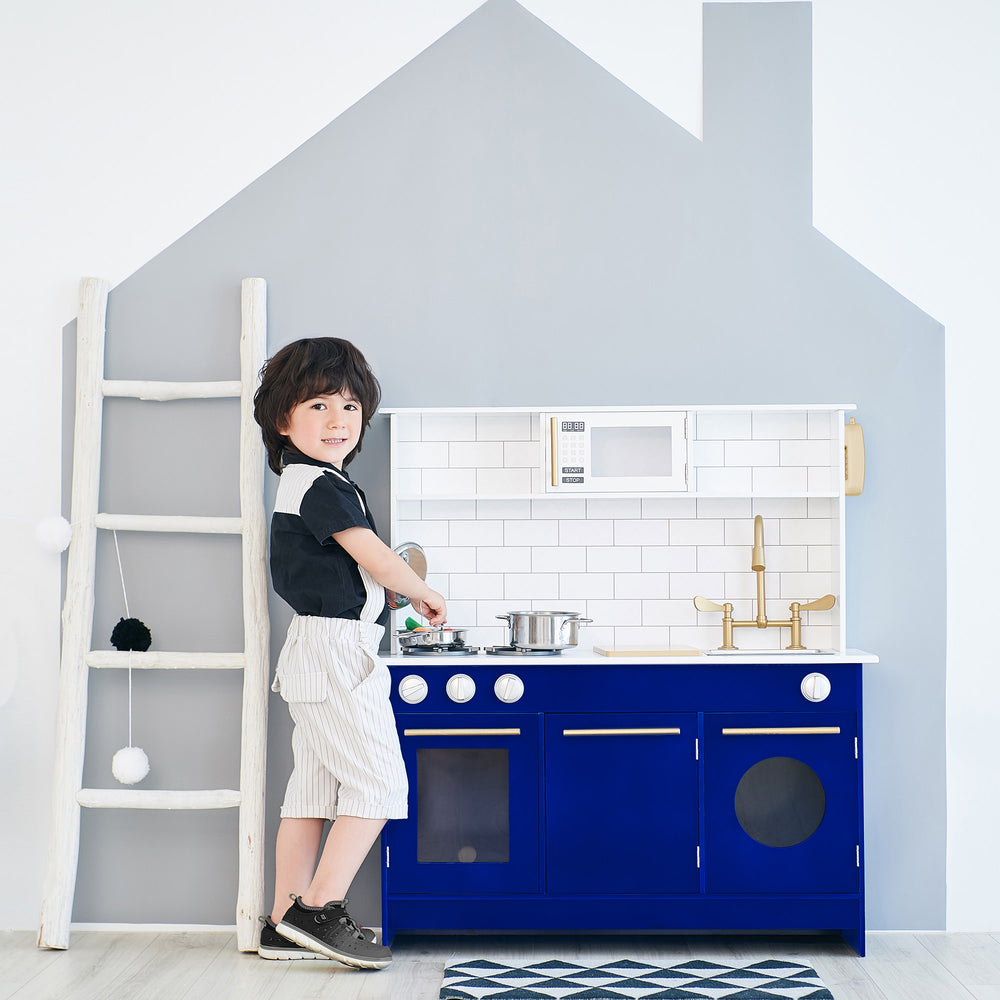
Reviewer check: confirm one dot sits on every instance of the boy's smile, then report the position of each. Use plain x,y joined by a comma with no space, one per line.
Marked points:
325,427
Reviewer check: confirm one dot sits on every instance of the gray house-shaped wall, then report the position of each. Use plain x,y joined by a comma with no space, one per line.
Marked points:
504,222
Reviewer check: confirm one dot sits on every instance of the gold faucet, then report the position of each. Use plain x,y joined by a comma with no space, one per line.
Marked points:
757,565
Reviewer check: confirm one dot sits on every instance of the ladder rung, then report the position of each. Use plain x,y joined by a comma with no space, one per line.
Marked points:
170,522
158,660
152,798
170,390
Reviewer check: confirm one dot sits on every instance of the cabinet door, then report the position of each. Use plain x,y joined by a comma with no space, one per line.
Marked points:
473,805
621,803
781,803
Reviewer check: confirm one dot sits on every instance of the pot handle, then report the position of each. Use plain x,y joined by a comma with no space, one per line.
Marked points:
506,618
579,621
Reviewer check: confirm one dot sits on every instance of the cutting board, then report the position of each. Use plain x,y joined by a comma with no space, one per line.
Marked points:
648,651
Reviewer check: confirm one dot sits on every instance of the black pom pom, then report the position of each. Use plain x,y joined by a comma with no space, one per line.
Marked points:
130,633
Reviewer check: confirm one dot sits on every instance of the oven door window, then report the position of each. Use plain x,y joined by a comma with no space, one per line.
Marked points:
463,806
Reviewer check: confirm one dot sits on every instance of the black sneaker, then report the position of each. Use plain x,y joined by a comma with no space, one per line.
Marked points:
274,946
330,931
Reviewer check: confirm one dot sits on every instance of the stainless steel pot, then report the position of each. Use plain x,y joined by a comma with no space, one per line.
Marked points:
544,629
431,637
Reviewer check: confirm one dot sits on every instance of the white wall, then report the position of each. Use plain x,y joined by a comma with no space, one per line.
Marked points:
125,124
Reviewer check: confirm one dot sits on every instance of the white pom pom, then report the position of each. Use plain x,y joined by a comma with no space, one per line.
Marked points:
54,533
130,765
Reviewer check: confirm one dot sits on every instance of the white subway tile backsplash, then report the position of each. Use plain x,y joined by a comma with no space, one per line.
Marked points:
739,586
823,425
531,586
558,559
772,507
723,507
407,426
731,481
708,453
422,455
521,454
779,424
424,533
559,508
445,482
478,532
821,558
408,510
503,559
473,454
690,585
586,532
504,509
531,532
450,510
503,480
669,507
819,507
612,509
614,559
448,427
585,586
743,453
804,587
787,559
408,482
807,531
615,612
642,532
703,531
631,585
822,479
506,427
805,453
669,559
780,480
451,559
642,635
720,559
722,425
475,586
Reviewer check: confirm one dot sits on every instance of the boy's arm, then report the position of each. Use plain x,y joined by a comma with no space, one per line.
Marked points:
371,553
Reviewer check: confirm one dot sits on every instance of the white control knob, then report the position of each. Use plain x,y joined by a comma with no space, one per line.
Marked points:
413,689
509,688
460,688
815,687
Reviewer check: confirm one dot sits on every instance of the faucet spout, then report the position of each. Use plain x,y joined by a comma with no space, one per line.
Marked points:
757,565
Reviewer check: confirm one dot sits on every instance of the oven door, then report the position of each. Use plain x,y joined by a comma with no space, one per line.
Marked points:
473,805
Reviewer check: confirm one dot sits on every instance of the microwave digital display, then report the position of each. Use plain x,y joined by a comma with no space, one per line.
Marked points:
618,451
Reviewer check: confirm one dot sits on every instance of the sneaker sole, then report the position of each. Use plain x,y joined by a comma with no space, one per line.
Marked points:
300,937
290,954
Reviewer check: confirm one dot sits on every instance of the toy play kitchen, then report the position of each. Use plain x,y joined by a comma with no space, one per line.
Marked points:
636,783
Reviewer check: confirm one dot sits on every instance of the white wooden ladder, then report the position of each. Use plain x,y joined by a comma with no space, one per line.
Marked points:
78,615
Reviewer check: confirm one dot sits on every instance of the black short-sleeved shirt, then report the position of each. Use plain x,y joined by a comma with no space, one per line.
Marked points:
309,569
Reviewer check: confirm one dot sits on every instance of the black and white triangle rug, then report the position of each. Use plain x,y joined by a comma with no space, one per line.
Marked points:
627,980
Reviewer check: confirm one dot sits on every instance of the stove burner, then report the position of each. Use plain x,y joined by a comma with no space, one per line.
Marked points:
441,649
519,651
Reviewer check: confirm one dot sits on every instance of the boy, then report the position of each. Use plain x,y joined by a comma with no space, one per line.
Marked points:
315,401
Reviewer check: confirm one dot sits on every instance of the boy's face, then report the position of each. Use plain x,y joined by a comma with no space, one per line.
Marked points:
325,427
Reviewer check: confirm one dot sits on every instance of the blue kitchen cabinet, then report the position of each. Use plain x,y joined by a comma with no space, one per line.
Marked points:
621,803
641,796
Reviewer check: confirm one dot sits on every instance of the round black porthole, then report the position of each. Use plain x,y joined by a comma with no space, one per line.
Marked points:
780,802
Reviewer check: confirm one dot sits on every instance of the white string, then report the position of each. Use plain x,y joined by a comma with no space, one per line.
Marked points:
121,573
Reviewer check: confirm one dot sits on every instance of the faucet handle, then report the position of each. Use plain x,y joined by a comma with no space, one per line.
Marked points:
704,604
820,604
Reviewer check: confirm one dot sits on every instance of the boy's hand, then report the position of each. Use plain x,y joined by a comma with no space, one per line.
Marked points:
433,608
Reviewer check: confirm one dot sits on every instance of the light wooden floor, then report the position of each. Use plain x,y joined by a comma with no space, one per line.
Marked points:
149,965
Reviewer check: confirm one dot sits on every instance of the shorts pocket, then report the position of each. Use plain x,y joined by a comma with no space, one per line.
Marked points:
303,687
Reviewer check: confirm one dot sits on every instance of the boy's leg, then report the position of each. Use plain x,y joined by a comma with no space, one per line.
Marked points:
294,860
347,845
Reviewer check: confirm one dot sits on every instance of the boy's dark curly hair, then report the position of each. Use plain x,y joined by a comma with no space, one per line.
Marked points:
306,368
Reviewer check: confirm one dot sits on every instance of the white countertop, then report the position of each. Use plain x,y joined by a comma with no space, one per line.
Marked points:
586,654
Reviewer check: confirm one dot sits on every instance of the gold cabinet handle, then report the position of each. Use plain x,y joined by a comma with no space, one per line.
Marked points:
461,732
784,731
621,732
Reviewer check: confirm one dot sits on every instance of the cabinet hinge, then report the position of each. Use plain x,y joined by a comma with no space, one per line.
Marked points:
697,856
855,748
387,855
696,748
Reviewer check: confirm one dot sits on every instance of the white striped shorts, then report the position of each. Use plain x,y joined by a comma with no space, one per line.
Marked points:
345,748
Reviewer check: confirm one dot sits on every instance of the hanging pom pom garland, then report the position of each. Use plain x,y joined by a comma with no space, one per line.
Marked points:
130,764
54,533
